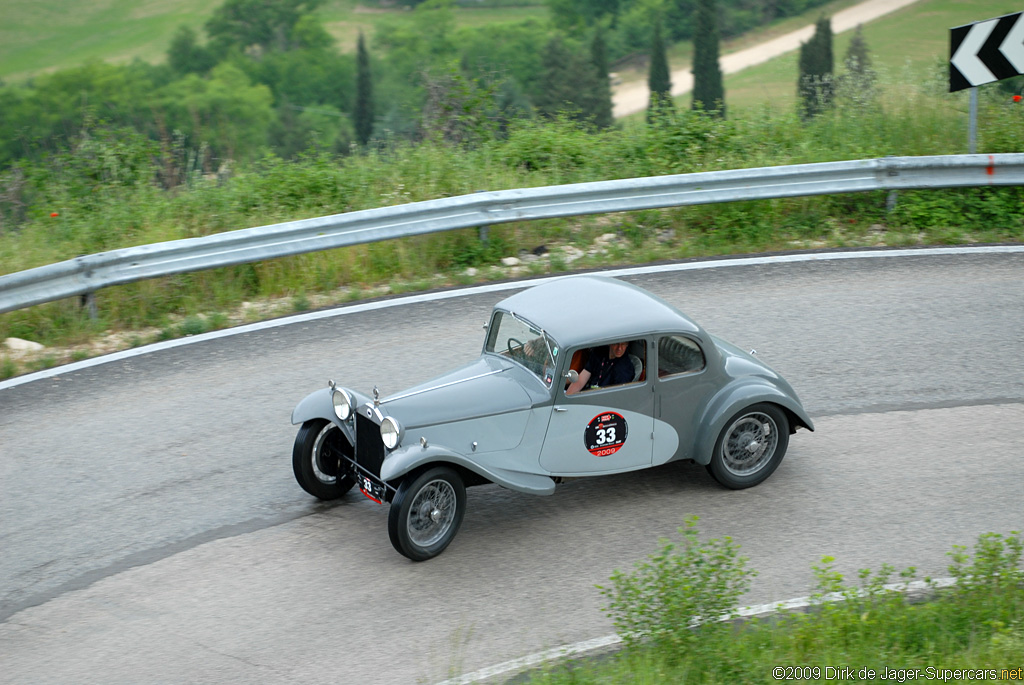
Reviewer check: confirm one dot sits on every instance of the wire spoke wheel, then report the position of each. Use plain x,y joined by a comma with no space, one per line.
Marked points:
426,512
432,513
750,443
750,447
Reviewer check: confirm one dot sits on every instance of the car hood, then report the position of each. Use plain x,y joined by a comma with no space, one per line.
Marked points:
487,386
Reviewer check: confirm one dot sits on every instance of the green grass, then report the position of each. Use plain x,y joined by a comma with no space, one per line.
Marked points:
38,36
907,45
344,22
45,35
667,609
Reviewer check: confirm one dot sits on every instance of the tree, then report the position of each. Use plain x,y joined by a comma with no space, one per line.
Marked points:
815,87
363,114
658,79
225,111
569,14
568,82
458,110
857,84
186,56
602,88
708,92
261,25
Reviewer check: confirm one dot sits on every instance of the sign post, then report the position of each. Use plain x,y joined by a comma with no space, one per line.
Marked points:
983,52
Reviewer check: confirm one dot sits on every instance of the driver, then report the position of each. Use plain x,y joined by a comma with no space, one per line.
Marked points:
607,365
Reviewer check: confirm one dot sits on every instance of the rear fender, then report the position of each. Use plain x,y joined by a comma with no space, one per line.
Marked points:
407,459
732,399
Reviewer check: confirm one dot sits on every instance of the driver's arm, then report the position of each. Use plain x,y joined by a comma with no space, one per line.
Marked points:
580,383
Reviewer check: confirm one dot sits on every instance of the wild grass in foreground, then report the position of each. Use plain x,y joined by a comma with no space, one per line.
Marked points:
672,611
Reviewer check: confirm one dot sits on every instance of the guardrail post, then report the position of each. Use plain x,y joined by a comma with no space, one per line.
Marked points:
891,170
482,231
88,302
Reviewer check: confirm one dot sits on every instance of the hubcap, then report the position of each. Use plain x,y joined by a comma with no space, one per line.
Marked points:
432,512
749,444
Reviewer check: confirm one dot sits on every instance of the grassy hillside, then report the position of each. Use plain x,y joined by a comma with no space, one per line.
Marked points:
43,35
909,45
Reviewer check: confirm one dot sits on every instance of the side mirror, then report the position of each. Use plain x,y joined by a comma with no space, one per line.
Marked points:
571,376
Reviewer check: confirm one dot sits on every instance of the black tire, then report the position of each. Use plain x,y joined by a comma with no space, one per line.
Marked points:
750,447
426,513
316,460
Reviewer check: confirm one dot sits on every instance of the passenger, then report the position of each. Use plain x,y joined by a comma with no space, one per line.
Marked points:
605,366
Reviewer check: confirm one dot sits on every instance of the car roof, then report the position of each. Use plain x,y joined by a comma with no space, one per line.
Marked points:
578,310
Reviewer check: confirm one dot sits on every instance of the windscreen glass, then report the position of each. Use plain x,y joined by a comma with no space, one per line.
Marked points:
513,337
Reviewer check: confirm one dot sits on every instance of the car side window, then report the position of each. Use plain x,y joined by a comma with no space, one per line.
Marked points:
678,355
604,371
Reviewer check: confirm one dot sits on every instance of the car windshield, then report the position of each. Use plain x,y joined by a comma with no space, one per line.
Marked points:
512,336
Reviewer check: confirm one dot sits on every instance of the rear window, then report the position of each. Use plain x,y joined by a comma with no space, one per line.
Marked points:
677,355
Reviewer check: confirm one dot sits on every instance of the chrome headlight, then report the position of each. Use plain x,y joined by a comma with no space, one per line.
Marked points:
391,432
342,403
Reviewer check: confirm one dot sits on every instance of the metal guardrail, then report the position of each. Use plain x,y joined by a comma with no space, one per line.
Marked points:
87,274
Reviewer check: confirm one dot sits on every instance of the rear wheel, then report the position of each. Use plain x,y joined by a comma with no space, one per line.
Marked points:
426,513
750,447
317,460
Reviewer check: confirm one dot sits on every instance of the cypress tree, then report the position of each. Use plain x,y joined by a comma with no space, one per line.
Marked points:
659,79
602,87
857,84
708,92
857,59
363,115
815,87
569,82
557,88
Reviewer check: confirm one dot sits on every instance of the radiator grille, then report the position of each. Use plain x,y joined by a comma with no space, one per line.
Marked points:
369,446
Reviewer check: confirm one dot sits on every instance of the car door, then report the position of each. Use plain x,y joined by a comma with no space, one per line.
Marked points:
605,430
682,387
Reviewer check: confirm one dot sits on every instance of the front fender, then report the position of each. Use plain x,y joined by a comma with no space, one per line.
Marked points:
733,398
318,405
405,459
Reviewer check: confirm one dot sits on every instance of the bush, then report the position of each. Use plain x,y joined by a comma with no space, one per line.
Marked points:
682,590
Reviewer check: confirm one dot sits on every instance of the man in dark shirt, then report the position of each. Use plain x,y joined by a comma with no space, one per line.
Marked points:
606,366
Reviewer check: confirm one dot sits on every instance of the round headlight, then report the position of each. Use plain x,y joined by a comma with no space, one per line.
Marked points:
342,404
390,432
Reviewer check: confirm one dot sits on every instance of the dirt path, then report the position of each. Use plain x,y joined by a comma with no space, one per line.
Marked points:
630,98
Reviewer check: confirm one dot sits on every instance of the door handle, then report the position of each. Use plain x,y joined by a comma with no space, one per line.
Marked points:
560,409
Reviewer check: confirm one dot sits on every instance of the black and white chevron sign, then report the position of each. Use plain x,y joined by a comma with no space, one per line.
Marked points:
986,51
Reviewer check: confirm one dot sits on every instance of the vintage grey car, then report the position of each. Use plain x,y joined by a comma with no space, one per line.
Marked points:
508,417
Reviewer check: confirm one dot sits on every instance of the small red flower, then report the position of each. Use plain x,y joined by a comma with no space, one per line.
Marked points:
55,214
1016,98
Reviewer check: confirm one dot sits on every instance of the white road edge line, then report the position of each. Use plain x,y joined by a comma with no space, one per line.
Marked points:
530,661
499,287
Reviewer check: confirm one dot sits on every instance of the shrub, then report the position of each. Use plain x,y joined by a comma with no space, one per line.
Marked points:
666,599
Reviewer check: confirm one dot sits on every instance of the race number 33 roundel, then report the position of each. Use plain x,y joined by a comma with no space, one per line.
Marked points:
605,434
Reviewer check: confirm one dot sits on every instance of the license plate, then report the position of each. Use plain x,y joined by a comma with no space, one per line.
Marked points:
371,490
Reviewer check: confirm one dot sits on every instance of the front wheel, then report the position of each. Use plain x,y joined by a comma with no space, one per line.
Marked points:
317,460
426,513
750,447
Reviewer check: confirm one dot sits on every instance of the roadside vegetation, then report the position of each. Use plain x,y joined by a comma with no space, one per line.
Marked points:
673,614
113,177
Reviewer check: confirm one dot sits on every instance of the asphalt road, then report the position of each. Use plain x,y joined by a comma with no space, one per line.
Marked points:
151,530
